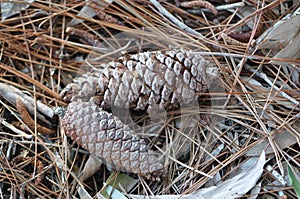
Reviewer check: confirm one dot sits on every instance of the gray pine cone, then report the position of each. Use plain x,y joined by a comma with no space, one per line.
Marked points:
145,81
105,136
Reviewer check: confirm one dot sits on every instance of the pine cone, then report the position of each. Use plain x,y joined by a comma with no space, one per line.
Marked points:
145,81
105,136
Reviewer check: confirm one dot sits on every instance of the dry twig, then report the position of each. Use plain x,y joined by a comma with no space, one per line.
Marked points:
181,25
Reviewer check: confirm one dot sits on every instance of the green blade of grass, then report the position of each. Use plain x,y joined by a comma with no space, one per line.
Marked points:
295,183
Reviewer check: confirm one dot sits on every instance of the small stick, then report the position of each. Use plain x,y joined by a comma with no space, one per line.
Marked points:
28,120
176,21
231,1
218,8
14,129
11,93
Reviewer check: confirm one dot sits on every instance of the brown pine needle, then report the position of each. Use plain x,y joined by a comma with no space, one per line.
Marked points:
20,160
39,58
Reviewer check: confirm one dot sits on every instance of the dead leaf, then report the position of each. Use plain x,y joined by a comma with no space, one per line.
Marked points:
236,186
116,183
282,138
114,193
9,9
92,165
229,189
291,51
89,12
283,38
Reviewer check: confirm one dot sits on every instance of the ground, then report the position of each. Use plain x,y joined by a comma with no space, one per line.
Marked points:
251,108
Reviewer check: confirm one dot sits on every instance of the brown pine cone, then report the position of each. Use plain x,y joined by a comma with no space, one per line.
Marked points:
145,81
105,136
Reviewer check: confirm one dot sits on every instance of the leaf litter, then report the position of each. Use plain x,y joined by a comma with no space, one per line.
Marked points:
253,107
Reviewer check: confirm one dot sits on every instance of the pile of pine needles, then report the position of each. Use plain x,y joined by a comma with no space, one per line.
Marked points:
254,105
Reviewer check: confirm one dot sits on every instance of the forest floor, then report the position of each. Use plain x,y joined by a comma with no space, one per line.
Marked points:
240,140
